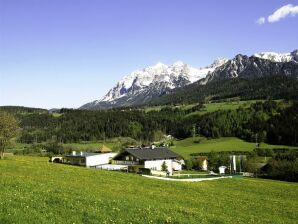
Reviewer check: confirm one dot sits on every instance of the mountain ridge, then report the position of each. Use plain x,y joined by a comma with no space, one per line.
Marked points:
154,81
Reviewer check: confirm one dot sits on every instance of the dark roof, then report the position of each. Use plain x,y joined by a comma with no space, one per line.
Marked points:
151,154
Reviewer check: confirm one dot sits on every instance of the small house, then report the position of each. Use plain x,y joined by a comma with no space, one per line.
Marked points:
88,159
152,158
222,169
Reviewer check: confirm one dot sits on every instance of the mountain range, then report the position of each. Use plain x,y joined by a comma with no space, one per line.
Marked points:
155,81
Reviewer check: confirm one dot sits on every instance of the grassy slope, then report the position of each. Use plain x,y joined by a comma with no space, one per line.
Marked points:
35,191
210,107
186,146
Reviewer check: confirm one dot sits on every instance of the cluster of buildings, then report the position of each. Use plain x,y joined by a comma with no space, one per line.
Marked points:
157,160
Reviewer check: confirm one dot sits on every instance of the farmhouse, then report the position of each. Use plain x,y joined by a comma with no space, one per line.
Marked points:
150,158
88,159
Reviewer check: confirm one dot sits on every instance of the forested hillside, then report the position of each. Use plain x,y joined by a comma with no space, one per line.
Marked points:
268,87
269,121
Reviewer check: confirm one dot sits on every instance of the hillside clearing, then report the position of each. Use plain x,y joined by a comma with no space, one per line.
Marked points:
187,146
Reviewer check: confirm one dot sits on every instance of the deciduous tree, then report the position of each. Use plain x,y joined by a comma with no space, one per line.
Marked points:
8,130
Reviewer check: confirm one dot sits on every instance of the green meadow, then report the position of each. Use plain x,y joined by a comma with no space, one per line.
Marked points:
36,191
187,146
210,107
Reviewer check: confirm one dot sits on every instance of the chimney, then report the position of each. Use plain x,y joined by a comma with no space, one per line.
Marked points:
73,153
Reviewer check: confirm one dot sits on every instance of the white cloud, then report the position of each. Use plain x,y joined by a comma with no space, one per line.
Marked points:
283,12
261,20
279,14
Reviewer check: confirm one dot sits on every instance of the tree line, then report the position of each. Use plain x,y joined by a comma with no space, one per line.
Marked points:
267,87
268,121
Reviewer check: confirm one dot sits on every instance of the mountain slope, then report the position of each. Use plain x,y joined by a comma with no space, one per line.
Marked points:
150,83
243,66
268,87
275,57
156,81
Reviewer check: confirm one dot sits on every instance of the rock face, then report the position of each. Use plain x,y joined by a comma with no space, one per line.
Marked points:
152,82
253,67
275,57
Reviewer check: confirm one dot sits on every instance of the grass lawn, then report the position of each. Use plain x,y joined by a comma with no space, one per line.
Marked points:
35,191
186,146
191,172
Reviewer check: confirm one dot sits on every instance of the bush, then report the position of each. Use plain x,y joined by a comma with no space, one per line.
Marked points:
188,164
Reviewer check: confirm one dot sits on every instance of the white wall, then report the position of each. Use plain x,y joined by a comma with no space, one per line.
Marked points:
177,165
205,165
100,159
156,165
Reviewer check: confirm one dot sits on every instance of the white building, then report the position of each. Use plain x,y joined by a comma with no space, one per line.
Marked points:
88,159
222,169
171,164
149,158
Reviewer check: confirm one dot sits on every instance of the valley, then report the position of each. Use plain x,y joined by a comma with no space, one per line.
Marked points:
148,112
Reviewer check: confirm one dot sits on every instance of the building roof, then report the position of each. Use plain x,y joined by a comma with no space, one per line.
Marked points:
84,154
104,149
150,154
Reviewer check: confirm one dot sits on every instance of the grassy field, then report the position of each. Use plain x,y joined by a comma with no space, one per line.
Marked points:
210,107
35,191
186,146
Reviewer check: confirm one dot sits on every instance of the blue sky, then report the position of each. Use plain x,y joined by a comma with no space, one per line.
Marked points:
64,53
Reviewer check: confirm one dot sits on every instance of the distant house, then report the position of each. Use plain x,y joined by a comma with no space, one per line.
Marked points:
88,159
202,161
149,158
222,169
103,149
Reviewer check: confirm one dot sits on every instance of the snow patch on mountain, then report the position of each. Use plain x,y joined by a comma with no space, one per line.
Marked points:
277,57
154,81
172,76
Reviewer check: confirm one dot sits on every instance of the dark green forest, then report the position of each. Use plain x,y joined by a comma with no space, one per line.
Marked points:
270,121
267,87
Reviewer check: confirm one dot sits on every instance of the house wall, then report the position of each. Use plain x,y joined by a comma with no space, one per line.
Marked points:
79,161
204,165
177,165
100,159
222,169
156,165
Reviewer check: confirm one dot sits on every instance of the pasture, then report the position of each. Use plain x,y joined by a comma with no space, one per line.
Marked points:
187,146
36,191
